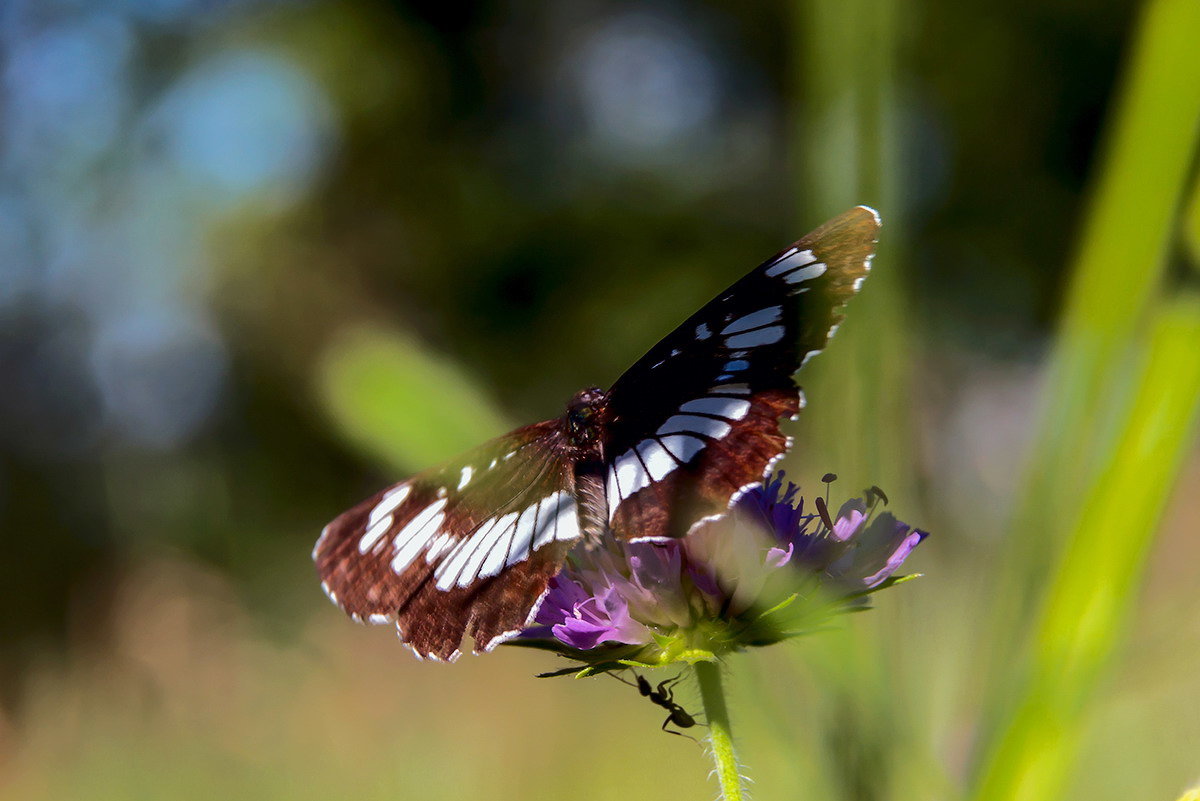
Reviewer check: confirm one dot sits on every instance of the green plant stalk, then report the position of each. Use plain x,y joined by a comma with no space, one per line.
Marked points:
846,135
1084,614
1117,270
720,735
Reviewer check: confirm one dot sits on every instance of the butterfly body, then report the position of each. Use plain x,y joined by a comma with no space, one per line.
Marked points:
583,421
467,549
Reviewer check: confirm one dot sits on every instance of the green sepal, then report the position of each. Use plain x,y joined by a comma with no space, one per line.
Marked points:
779,607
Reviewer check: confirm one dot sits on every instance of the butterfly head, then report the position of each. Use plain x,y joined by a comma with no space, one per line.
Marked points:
583,418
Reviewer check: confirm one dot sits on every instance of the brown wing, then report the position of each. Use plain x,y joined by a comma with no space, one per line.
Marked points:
465,549
696,419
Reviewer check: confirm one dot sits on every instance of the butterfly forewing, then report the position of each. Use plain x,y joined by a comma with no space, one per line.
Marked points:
464,549
696,419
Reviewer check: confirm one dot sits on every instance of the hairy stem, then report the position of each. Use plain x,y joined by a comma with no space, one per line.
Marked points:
720,736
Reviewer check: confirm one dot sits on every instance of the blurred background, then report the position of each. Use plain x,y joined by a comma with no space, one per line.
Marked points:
260,258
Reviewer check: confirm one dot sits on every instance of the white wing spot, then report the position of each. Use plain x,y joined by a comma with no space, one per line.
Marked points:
561,523
682,446
438,547
612,490
498,538
733,389
805,273
790,261
525,537
380,519
657,460
373,533
735,365
631,476
730,408
388,503
763,336
471,553
702,331
465,479
567,526
754,320
625,477
417,534
526,530
691,424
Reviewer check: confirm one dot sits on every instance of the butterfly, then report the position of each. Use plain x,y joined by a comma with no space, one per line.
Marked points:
468,549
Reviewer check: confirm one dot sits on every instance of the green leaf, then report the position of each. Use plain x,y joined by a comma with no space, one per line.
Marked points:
1083,616
399,402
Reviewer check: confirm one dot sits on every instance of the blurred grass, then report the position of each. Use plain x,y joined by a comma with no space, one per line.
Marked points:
1092,593
194,702
859,423
848,59
1122,256
1118,458
862,717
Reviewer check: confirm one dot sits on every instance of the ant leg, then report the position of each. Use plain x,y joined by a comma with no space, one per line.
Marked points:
642,685
667,686
618,678
677,733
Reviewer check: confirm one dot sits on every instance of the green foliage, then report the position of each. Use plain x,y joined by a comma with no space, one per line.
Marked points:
399,402
1091,595
1104,466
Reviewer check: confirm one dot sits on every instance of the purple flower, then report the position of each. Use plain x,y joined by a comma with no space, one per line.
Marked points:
764,571
583,620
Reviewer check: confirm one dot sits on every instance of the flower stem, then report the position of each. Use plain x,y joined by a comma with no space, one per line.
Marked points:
708,675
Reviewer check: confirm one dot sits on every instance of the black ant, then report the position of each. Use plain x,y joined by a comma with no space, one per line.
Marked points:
664,696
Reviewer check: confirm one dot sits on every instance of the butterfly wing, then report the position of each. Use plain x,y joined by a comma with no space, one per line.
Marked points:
464,549
696,420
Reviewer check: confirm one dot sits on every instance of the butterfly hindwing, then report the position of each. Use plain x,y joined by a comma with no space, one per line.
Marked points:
696,419
464,549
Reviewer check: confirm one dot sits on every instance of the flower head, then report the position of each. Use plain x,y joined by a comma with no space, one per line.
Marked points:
766,571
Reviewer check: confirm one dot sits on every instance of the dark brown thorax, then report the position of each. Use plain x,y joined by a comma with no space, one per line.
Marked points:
583,423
